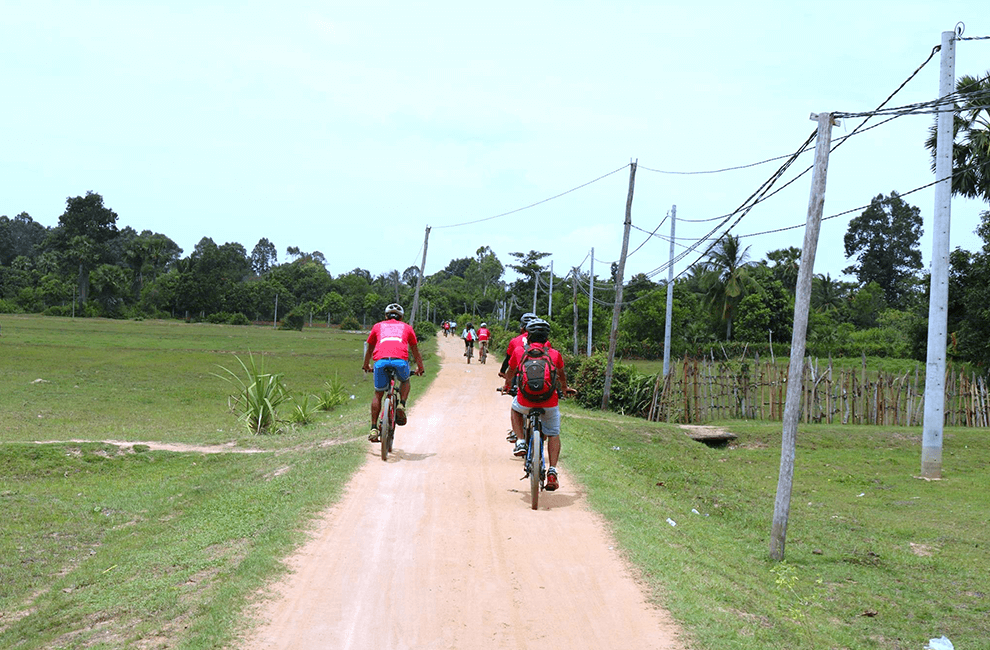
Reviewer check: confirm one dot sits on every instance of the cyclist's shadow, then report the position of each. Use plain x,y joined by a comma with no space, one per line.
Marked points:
398,454
549,500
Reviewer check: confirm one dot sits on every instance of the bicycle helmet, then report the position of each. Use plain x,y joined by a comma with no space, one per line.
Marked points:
394,311
484,324
539,331
524,320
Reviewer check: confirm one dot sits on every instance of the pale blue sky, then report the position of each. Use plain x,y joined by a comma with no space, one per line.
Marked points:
349,127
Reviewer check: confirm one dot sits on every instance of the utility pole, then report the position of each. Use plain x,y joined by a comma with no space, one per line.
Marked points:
802,302
536,288
591,297
550,294
931,436
670,296
419,278
613,336
574,281
275,324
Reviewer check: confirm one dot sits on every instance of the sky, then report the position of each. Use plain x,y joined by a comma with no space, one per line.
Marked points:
350,127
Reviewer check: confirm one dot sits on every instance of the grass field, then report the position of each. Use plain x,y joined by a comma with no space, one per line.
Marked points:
120,546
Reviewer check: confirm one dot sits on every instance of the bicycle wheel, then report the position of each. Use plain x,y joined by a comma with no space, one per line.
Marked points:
535,463
387,423
391,425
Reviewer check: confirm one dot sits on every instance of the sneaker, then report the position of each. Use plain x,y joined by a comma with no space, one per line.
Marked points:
400,415
373,435
520,449
552,483
512,436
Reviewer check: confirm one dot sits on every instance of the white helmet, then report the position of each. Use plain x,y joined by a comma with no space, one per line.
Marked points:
394,311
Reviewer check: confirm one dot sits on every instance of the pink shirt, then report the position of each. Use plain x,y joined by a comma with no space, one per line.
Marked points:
483,334
391,339
518,342
555,358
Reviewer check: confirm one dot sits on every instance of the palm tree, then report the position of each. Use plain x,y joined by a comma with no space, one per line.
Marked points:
971,139
826,293
728,280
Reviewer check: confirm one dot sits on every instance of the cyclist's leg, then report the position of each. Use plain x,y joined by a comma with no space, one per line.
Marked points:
551,429
518,418
381,385
401,368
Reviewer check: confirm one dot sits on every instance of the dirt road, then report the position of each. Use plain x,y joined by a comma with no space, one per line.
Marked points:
438,547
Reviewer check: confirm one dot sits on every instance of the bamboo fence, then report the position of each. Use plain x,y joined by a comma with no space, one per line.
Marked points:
703,390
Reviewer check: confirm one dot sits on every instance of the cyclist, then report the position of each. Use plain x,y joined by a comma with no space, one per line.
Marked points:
517,342
389,344
538,331
446,328
470,336
483,336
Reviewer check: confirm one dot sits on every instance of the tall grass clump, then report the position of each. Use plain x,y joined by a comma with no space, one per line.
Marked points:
258,396
333,395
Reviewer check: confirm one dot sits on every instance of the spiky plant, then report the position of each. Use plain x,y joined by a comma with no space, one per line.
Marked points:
258,396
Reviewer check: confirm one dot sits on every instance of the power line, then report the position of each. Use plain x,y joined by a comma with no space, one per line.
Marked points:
533,205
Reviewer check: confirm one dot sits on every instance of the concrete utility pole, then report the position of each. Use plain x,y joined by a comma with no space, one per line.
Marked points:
574,281
591,297
613,335
550,294
536,288
931,437
802,302
419,279
670,296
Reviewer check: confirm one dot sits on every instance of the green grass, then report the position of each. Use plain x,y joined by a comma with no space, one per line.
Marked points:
875,558
112,546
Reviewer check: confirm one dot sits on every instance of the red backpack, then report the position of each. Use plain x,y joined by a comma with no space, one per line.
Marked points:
538,379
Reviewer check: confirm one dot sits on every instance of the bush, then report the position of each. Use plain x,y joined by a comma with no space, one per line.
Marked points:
294,320
425,330
237,318
6,307
629,388
350,323
57,310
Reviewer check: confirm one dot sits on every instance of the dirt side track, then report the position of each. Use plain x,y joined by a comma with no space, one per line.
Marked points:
438,547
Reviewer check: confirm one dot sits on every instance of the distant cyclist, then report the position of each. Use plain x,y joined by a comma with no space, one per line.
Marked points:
538,345
388,345
470,336
517,342
446,328
483,336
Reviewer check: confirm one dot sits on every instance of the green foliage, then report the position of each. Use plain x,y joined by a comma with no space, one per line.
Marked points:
294,320
259,395
333,395
425,330
303,411
628,390
971,138
350,324
885,241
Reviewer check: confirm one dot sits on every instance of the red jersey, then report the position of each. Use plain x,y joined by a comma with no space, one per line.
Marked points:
391,339
483,334
518,342
555,358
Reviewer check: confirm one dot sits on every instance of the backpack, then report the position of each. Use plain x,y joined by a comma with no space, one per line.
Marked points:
470,337
538,379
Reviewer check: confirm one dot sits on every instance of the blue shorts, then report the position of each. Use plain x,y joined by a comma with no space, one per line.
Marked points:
401,367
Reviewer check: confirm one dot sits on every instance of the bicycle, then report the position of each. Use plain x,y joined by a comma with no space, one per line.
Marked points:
537,477
386,418
482,351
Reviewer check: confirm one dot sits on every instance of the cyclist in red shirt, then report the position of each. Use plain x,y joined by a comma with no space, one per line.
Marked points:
518,342
538,337
388,345
483,336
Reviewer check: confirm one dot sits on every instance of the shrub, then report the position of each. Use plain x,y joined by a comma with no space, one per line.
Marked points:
627,393
237,318
350,323
425,330
294,320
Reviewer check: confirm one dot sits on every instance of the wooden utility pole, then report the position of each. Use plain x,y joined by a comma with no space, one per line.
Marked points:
574,281
591,297
613,336
931,436
670,296
802,302
419,278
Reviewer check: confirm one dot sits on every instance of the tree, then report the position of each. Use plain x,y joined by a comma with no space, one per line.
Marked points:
20,236
728,279
83,235
971,139
264,256
786,264
884,238
826,293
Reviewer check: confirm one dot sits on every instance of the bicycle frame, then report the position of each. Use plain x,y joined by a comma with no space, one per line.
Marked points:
386,417
534,469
